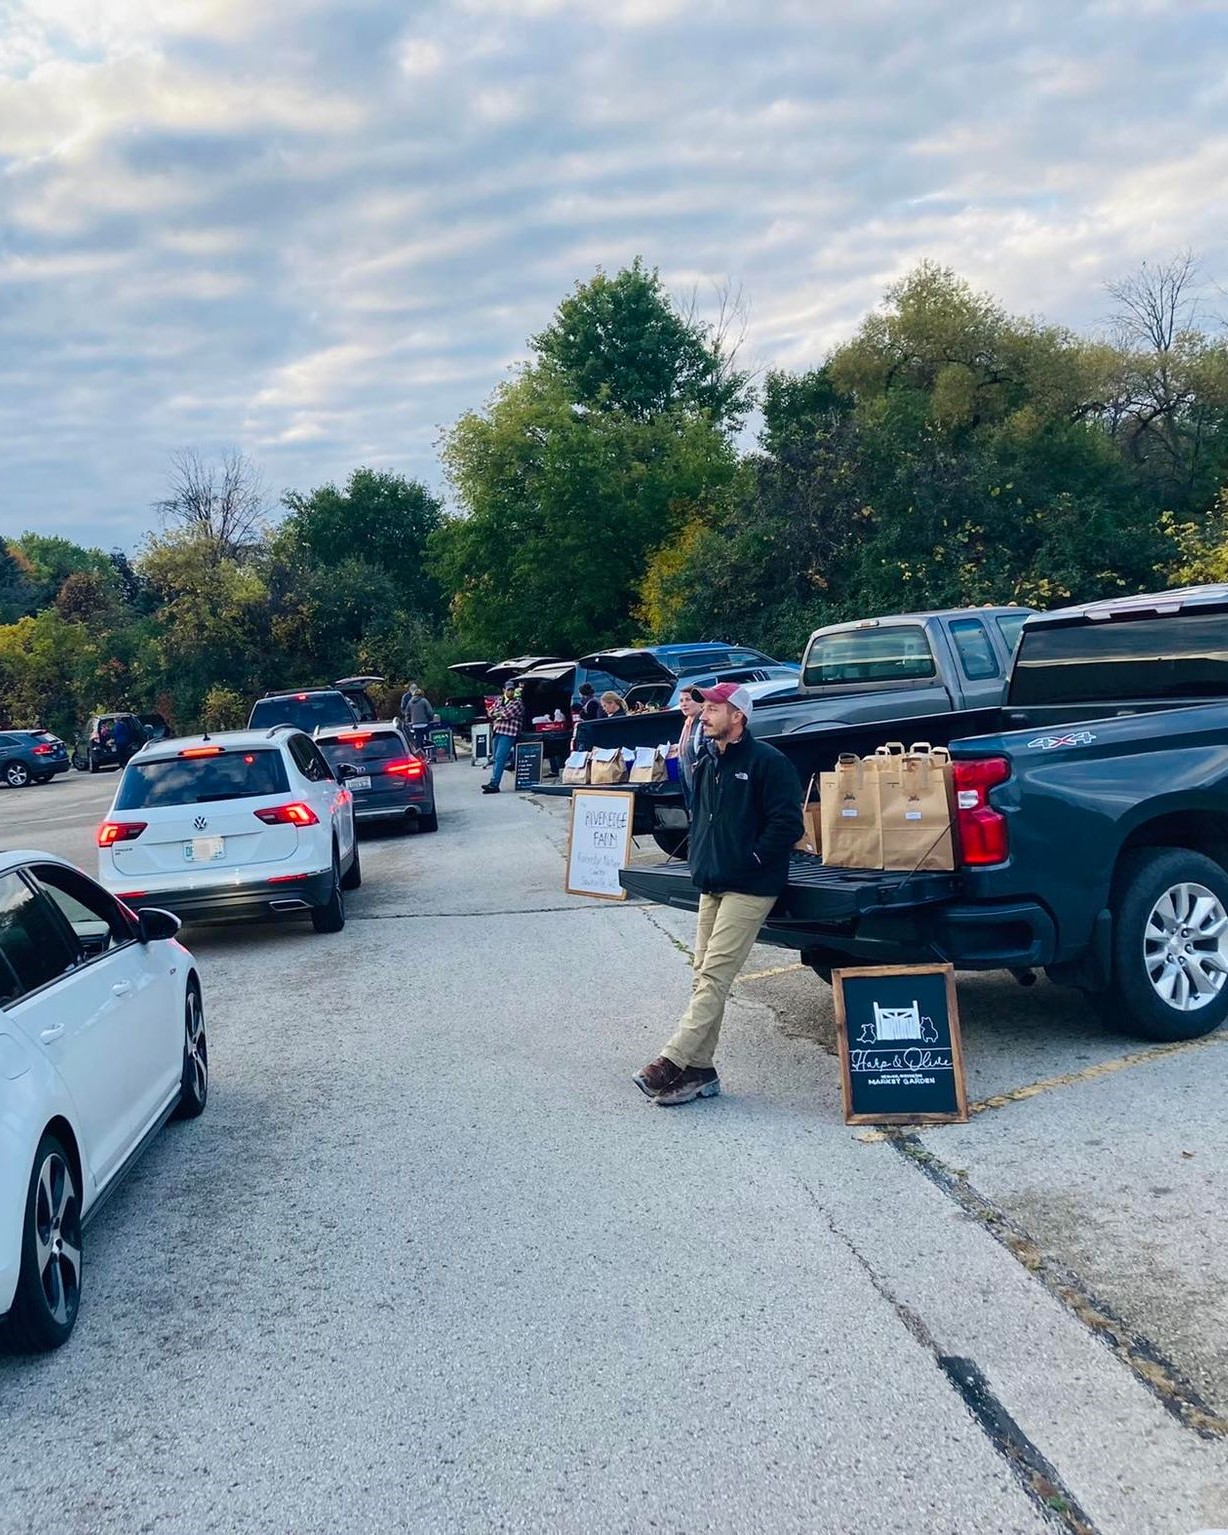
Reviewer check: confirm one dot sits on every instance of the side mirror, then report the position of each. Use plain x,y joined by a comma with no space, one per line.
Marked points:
153,925
346,770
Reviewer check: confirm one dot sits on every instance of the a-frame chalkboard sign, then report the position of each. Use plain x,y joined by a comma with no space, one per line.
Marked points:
901,1058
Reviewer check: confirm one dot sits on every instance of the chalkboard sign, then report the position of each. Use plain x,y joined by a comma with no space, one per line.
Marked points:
900,1053
528,764
441,740
600,843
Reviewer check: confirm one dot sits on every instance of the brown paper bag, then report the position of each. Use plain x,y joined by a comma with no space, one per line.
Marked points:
575,769
917,804
886,757
851,829
811,840
607,766
649,766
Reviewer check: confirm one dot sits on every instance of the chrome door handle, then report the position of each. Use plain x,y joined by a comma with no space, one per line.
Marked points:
54,1032
122,988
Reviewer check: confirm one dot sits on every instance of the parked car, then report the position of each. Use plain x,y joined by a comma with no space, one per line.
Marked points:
1091,809
31,756
102,1039
243,823
665,694
97,747
389,779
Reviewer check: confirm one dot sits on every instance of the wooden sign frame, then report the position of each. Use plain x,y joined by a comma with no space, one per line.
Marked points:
604,797
960,1116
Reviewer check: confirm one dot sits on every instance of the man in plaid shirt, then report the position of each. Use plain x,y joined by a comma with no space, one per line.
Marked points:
507,721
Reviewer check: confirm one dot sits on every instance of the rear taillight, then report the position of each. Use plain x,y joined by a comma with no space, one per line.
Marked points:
288,815
412,767
111,832
982,829
43,751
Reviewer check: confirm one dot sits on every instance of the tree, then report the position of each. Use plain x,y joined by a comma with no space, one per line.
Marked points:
221,506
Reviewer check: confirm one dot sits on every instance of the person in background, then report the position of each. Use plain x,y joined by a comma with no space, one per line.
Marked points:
590,709
745,820
612,704
407,697
420,715
690,742
506,721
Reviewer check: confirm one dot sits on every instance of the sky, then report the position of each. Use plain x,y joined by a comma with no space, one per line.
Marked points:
318,231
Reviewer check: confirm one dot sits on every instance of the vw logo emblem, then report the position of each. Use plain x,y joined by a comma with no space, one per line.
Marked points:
200,822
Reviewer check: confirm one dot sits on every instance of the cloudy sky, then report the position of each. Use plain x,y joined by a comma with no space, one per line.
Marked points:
318,230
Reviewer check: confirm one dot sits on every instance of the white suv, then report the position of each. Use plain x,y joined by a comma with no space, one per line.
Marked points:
243,823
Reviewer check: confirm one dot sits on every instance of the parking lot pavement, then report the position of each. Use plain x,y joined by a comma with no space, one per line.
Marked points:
430,1262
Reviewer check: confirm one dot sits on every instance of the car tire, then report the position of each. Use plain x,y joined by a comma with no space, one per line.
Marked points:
1170,946
429,822
330,918
17,775
48,1294
194,1079
352,878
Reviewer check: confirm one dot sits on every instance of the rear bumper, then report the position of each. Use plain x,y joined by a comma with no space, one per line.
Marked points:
872,917
257,901
42,769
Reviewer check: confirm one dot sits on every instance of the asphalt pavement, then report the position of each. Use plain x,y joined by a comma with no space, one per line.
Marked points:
430,1262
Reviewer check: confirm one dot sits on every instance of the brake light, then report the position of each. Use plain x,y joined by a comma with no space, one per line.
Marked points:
202,751
111,832
412,767
354,737
982,829
43,751
296,814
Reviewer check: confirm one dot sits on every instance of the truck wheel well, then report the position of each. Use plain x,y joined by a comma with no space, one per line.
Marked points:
1201,831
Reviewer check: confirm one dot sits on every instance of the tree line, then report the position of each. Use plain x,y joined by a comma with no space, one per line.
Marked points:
948,454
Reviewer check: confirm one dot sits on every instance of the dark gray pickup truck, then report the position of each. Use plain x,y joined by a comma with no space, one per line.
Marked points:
1092,824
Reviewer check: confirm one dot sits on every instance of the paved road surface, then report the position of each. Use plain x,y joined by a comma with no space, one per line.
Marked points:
429,1262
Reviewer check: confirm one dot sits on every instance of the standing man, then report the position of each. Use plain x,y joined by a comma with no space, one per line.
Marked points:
420,715
507,721
745,817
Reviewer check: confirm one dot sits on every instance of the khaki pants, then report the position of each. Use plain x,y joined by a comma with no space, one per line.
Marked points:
728,927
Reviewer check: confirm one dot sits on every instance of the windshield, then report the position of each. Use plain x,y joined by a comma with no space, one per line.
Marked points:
309,711
1183,656
357,748
900,653
195,780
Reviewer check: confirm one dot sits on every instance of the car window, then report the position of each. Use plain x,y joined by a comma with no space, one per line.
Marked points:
358,747
975,649
197,780
93,914
34,945
307,711
900,653
8,741
1177,657
1009,626
318,769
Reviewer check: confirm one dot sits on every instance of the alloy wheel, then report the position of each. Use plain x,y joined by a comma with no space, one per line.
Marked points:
1185,947
57,1238
17,775
196,1049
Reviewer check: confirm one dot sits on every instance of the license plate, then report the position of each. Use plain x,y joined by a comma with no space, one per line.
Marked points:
359,783
204,849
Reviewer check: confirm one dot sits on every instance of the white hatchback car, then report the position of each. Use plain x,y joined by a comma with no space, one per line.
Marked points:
242,823
102,1039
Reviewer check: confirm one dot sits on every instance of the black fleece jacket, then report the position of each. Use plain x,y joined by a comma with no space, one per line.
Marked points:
745,817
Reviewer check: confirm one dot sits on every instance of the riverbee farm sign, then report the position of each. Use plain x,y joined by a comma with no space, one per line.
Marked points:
600,843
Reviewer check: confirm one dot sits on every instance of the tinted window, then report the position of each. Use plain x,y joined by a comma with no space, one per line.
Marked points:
384,746
1009,625
92,914
195,780
898,654
1185,656
314,711
31,940
975,649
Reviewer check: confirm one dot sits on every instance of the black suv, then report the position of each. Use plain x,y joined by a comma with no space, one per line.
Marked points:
99,746
347,702
31,756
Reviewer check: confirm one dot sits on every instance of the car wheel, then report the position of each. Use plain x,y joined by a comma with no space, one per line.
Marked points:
429,822
194,1081
16,775
352,878
49,1280
330,918
1170,946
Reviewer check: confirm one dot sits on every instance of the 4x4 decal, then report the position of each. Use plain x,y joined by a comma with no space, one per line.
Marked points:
1076,738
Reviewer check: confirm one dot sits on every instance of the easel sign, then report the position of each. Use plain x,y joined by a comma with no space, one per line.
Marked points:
901,1058
599,843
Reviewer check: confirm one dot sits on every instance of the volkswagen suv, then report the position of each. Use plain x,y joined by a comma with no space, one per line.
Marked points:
242,823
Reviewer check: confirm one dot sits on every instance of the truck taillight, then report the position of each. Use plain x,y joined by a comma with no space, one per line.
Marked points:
982,829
